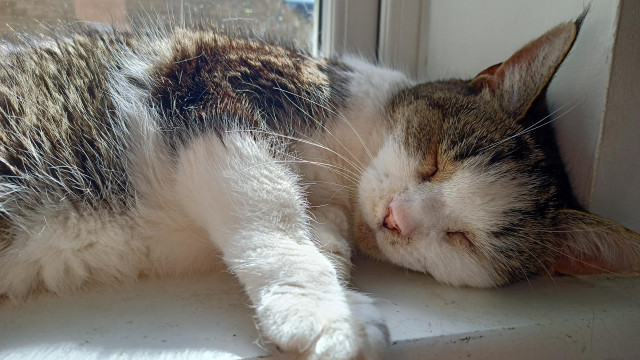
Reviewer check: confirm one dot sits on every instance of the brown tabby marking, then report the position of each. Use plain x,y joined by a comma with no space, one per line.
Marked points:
56,124
211,73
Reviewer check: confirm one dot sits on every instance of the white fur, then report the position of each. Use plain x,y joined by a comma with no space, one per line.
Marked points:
473,200
237,196
330,229
175,245
61,250
354,137
254,211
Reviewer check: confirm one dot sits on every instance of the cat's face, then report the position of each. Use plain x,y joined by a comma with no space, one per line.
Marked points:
469,185
447,195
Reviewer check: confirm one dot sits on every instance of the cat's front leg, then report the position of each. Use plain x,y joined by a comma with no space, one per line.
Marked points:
255,212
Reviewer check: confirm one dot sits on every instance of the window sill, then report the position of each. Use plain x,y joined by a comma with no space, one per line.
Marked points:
563,317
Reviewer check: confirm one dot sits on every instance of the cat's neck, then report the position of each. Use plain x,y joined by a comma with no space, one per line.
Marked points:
353,137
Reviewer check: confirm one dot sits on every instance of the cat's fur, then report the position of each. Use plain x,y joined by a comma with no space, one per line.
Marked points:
158,152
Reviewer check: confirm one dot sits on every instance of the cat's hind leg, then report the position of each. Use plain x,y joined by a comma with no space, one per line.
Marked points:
255,211
61,248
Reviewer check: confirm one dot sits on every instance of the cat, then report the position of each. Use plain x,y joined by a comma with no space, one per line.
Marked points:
157,152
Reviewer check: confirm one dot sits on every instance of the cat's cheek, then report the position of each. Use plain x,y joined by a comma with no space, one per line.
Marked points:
463,270
373,195
447,263
365,238
390,173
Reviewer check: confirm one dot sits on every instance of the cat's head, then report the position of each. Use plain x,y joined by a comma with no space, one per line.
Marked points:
470,187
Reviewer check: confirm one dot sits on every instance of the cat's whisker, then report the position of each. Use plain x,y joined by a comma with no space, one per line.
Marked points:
330,133
472,147
323,127
349,175
537,125
341,116
557,117
344,186
563,253
338,170
526,277
309,142
541,263
349,191
353,173
356,167
546,117
551,230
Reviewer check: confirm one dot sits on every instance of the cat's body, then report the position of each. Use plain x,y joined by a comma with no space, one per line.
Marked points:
159,153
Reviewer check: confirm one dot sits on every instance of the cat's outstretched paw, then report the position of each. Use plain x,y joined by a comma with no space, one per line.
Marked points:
325,329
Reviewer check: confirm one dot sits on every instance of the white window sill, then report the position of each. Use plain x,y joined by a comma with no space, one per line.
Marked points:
210,318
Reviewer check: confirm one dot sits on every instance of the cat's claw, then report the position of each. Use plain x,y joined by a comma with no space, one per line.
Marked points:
295,325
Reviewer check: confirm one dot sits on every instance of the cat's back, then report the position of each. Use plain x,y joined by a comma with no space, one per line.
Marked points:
73,103
57,130
54,79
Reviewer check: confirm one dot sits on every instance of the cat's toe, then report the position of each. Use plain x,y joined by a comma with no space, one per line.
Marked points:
363,335
324,327
375,336
350,340
339,340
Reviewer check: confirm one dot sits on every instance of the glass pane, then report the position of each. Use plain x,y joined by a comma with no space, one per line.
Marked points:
288,19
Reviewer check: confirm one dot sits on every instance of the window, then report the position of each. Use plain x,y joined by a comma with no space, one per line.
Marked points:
278,16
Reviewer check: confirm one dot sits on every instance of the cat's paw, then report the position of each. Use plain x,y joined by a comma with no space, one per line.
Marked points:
371,322
321,328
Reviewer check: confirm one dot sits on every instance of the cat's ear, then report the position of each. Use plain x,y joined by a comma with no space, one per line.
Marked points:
590,244
518,81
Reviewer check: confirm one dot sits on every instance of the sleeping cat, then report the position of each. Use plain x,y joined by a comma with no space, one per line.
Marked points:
158,152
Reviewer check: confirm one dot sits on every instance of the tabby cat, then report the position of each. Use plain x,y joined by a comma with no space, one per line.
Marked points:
160,152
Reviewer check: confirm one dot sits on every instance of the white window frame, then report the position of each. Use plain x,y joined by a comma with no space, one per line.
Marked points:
401,35
385,30
347,26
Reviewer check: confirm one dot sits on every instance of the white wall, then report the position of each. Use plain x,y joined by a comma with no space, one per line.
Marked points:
616,186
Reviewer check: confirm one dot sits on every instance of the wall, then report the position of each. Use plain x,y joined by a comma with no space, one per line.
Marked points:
616,186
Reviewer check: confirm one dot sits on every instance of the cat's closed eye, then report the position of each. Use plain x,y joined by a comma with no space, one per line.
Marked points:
460,238
430,165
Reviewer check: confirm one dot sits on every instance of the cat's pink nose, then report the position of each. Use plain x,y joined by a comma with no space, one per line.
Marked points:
398,220
390,221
